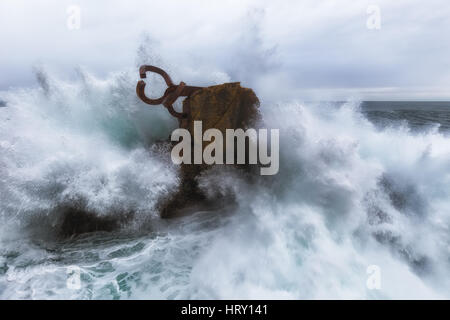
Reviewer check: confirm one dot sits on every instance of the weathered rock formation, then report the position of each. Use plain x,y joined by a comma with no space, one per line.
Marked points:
226,106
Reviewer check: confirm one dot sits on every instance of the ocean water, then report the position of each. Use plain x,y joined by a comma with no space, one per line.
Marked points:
417,115
360,184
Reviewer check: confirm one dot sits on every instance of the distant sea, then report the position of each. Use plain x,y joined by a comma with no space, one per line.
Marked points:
418,115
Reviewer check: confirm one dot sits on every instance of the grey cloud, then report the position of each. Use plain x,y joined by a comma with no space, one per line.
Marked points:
301,46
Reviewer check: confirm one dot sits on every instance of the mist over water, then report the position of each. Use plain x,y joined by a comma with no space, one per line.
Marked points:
350,193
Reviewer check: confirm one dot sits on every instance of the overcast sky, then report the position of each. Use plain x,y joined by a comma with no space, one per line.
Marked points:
303,48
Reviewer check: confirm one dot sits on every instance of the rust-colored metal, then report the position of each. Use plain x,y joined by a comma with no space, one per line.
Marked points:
170,95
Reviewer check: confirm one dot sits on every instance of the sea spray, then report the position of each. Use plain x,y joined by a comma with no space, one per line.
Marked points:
348,195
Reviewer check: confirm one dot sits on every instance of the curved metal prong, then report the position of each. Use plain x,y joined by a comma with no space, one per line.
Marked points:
140,87
140,91
171,98
144,69
170,95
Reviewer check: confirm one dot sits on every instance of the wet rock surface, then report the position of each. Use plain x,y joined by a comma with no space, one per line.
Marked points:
78,220
226,106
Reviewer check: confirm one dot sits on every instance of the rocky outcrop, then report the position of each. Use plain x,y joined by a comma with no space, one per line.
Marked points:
226,106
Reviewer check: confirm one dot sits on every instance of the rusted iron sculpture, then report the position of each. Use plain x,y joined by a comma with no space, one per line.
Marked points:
170,95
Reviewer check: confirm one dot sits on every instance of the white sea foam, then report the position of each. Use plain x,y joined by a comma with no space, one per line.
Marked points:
347,196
